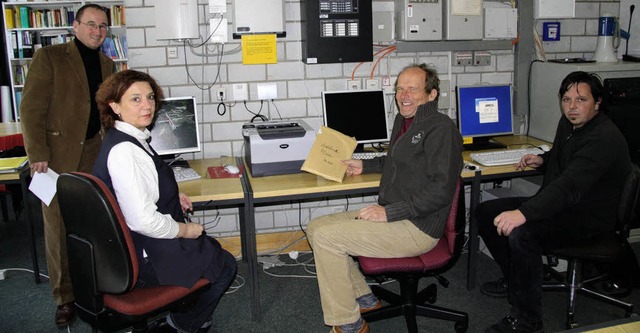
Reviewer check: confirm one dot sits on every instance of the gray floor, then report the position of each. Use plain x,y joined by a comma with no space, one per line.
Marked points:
289,304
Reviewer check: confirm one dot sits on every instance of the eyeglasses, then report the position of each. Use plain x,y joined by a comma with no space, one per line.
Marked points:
93,26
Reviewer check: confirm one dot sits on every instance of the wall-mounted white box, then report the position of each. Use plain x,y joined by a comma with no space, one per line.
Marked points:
240,92
544,9
500,22
267,90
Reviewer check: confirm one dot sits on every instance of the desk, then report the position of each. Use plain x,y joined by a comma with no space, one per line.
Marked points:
299,186
22,177
490,174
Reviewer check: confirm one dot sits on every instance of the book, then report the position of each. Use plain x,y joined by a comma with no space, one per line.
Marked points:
328,150
24,17
8,14
12,164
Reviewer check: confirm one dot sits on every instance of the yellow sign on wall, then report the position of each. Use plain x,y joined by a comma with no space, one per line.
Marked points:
259,49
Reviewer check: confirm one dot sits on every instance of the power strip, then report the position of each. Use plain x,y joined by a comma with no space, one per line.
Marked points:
270,261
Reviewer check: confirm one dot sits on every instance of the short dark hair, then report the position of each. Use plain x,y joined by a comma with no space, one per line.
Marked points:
591,79
80,11
113,88
431,77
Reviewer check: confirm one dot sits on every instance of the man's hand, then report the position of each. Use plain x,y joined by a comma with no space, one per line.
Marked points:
375,213
354,167
40,167
529,160
505,222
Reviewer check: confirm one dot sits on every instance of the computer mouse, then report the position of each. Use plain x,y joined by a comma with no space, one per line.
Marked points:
232,169
544,148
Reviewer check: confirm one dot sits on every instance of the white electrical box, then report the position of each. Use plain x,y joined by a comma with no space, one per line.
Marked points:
218,31
546,9
258,17
419,20
500,23
176,19
217,6
462,20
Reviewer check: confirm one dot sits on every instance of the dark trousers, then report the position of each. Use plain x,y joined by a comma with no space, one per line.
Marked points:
519,255
202,311
192,319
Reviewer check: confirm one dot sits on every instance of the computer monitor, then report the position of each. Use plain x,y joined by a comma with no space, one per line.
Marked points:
484,111
357,113
175,129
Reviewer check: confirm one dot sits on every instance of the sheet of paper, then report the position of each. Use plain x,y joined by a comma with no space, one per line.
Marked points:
43,185
259,49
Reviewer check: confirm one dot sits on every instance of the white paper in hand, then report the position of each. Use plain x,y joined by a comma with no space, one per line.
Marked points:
43,185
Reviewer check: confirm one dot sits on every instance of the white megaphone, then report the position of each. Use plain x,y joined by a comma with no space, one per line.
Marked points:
608,39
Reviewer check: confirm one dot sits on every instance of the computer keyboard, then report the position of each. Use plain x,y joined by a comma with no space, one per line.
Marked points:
503,157
184,174
367,155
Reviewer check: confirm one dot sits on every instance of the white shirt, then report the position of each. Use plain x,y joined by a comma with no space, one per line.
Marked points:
135,182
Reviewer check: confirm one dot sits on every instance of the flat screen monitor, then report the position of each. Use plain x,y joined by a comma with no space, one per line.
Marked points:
175,130
357,113
484,111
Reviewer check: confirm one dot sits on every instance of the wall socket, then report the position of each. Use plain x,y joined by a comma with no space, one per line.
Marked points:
172,52
372,84
481,58
463,59
354,84
221,94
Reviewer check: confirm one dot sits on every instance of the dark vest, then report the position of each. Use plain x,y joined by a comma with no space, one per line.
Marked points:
178,261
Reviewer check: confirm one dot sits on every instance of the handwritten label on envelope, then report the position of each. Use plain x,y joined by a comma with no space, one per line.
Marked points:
329,148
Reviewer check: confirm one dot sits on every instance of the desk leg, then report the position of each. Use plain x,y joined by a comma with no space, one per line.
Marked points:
24,183
474,243
251,257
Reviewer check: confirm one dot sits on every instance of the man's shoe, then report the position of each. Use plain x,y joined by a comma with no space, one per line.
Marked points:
65,314
364,328
498,288
515,325
375,307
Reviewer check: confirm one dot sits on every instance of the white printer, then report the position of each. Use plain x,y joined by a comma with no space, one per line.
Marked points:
277,147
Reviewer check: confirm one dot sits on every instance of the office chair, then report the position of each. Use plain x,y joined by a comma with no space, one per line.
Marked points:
408,271
606,250
103,262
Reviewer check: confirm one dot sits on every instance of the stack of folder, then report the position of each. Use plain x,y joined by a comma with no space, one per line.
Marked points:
12,164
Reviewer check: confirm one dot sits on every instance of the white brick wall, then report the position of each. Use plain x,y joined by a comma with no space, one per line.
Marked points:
299,87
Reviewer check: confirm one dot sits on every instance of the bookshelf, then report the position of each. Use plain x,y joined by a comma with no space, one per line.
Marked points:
34,24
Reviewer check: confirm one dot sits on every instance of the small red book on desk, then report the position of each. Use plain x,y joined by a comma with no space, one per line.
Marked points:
220,172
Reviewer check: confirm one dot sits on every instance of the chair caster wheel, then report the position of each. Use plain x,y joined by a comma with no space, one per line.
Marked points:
460,327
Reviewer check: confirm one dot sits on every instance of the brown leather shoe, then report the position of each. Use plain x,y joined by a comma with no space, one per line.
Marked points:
363,329
65,314
375,307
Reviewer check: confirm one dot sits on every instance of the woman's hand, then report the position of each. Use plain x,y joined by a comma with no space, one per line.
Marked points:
354,167
190,230
185,202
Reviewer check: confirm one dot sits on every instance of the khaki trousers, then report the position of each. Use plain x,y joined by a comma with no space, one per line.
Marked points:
336,238
55,234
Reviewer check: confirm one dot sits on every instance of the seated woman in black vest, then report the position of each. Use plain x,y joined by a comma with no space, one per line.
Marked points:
170,252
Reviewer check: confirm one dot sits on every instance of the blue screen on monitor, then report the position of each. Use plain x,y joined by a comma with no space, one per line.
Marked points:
484,110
